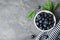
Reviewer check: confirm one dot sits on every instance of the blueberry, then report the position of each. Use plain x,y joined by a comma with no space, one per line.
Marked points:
45,19
40,27
40,21
44,25
41,14
36,20
45,22
39,6
52,23
50,15
50,19
38,16
49,23
33,36
45,15
44,28
48,28
37,23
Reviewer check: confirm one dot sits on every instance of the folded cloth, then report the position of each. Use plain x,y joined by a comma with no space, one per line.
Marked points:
51,35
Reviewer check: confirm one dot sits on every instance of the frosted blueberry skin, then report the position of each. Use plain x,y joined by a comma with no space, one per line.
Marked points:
44,21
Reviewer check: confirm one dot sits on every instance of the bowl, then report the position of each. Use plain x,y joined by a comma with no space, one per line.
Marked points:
45,22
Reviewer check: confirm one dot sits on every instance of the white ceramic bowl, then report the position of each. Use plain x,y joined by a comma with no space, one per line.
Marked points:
46,12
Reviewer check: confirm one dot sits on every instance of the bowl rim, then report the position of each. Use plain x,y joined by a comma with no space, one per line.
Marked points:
47,12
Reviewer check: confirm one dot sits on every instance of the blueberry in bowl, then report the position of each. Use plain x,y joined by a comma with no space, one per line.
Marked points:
44,20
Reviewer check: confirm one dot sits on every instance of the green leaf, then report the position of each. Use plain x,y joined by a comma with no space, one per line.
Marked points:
32,14
55,6
45,7
50,6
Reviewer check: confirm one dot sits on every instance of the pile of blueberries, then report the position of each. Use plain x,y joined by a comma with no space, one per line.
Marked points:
44,20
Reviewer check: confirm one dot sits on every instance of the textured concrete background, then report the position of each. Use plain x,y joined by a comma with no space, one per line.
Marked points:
14,24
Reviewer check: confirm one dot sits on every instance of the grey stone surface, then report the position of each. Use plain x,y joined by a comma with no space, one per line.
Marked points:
14,24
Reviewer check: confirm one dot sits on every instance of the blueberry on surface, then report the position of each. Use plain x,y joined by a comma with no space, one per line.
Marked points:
39,7
33,36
